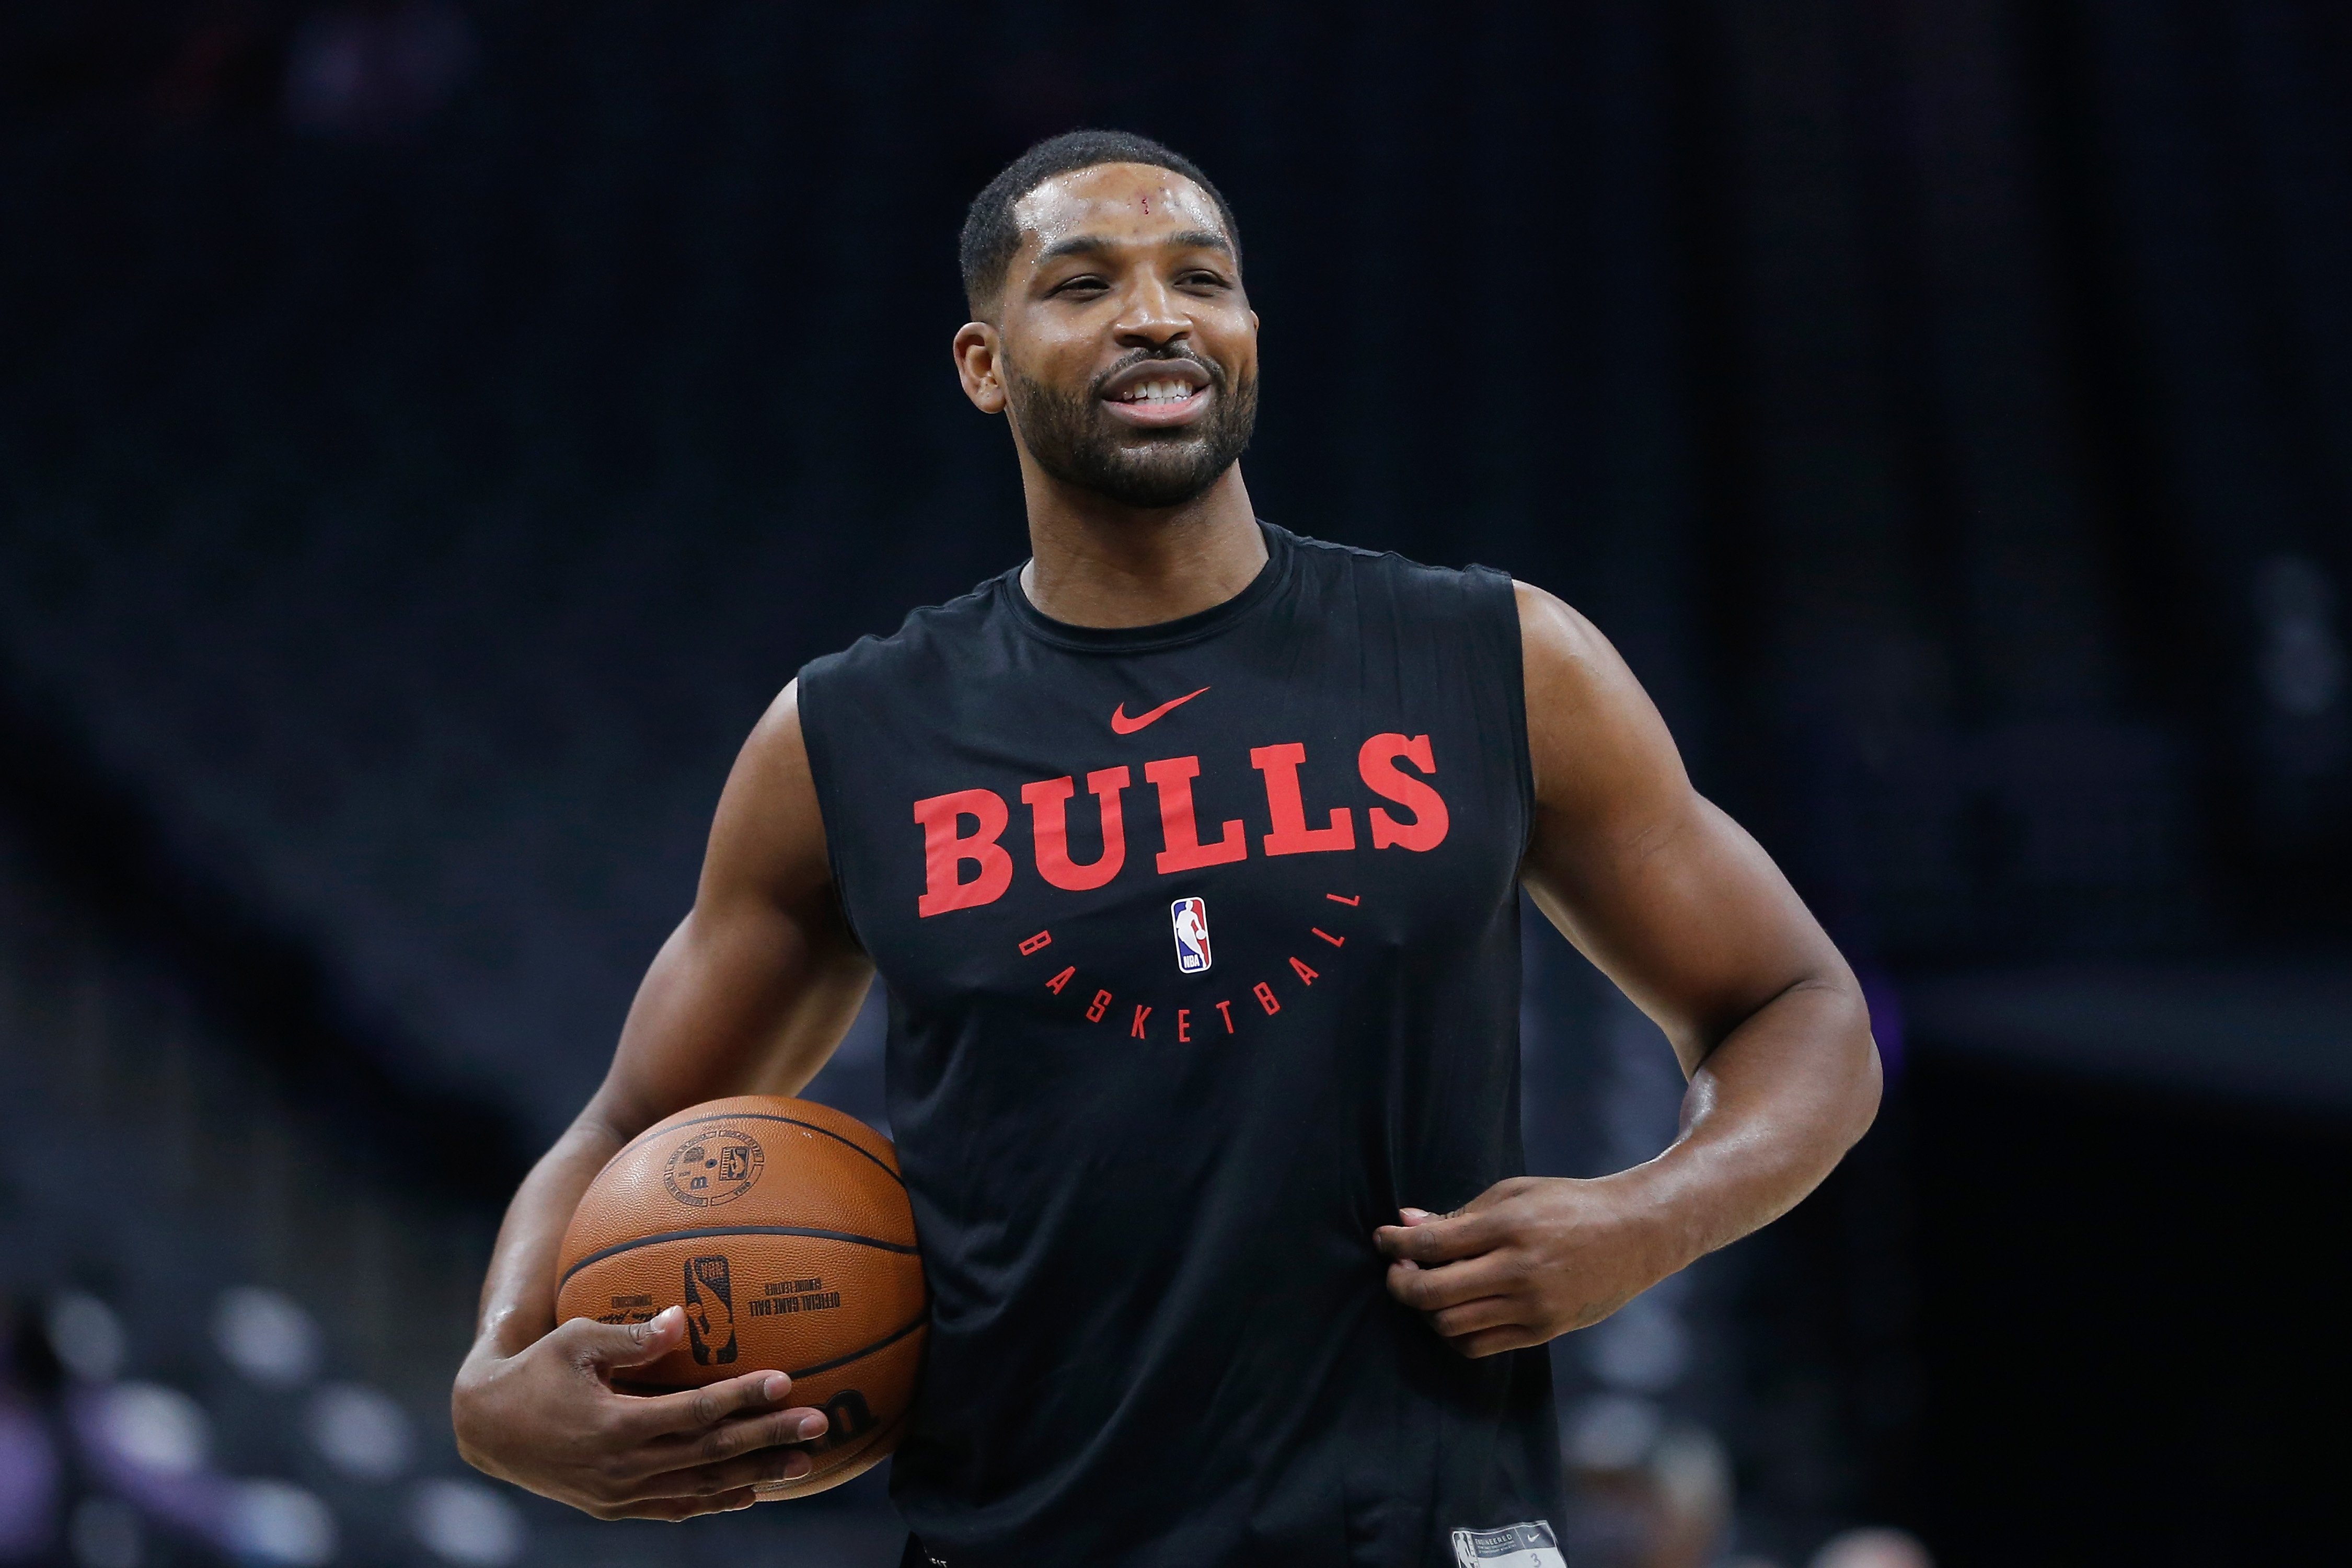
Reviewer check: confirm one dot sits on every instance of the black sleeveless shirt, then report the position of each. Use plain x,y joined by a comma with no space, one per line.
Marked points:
1201,949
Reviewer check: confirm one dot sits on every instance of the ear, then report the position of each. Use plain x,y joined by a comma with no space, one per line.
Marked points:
979,365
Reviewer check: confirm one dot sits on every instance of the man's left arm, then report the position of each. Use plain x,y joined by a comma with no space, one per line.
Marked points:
1677,905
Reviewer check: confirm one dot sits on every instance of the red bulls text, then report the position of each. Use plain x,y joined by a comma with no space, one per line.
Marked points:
965,864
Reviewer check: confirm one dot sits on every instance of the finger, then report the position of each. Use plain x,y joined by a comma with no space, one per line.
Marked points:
732,1439
1432,1290
607,1345
748,1435
1494,1341
648,1416
679,1508
771,1467
1434,1241
1472,1317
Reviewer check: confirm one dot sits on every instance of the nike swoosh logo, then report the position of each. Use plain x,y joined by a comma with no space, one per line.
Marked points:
1121,724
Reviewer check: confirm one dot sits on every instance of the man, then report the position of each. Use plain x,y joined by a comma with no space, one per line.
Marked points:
1189,855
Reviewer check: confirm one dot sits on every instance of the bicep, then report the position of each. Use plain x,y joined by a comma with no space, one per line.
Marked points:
756,986
1661,889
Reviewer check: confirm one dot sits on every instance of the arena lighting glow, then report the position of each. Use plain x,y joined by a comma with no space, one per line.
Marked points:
267,1335
362,1433
85,1335
466,1523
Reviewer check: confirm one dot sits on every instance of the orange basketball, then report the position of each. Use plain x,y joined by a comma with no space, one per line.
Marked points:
784,1229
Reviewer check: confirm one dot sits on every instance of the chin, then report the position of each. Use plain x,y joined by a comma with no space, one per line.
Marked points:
1159,485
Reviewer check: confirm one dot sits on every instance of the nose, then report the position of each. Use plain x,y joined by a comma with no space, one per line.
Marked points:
1152,318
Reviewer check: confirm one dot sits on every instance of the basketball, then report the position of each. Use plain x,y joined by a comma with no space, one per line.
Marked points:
784,1229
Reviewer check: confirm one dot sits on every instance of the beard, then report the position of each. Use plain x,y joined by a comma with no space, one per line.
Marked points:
1074,439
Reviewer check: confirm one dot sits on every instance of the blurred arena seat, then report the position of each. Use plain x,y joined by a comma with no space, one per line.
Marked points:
233,1342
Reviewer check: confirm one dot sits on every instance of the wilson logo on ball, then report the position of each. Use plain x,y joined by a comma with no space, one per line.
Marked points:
848,1418
714,1166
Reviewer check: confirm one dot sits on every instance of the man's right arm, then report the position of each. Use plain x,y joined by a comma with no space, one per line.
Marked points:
749,995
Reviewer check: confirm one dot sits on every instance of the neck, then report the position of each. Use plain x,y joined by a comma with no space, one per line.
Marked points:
1094,563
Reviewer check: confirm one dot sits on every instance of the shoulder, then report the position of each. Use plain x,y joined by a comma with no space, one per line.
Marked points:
1415,586
1592,732
928,644
768,832
1331,559
1557,638
930,636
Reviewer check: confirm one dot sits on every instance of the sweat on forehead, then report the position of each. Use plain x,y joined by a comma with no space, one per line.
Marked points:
1068,169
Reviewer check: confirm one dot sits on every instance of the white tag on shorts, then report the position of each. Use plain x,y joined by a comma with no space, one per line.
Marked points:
1514,1546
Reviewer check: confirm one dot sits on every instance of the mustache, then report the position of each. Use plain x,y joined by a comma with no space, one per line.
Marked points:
1169,355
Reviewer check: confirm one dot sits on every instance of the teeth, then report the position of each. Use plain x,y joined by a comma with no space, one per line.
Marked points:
1160,391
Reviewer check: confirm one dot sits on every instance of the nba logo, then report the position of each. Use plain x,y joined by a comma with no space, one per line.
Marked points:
1191,917
709,1310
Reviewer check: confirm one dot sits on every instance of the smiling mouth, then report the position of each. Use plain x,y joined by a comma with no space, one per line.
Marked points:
1159,392
1172,390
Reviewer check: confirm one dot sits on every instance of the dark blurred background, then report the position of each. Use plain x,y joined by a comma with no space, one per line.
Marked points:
430,432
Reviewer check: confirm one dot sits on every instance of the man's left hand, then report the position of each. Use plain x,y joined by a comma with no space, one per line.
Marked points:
1526,1261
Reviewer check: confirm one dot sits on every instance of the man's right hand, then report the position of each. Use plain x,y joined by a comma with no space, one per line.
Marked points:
548,1419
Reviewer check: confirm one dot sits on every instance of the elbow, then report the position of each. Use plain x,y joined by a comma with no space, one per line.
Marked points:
1869,1089
1865,1079
1844,1079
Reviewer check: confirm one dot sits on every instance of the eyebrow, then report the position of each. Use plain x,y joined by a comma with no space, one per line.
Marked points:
1094,245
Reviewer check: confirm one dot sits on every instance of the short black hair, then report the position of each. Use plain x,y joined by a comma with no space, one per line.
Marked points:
991,238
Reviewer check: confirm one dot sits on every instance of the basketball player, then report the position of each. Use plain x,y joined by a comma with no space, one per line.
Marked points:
1188,853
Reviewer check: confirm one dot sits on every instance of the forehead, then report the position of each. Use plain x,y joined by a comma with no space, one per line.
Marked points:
1133,203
